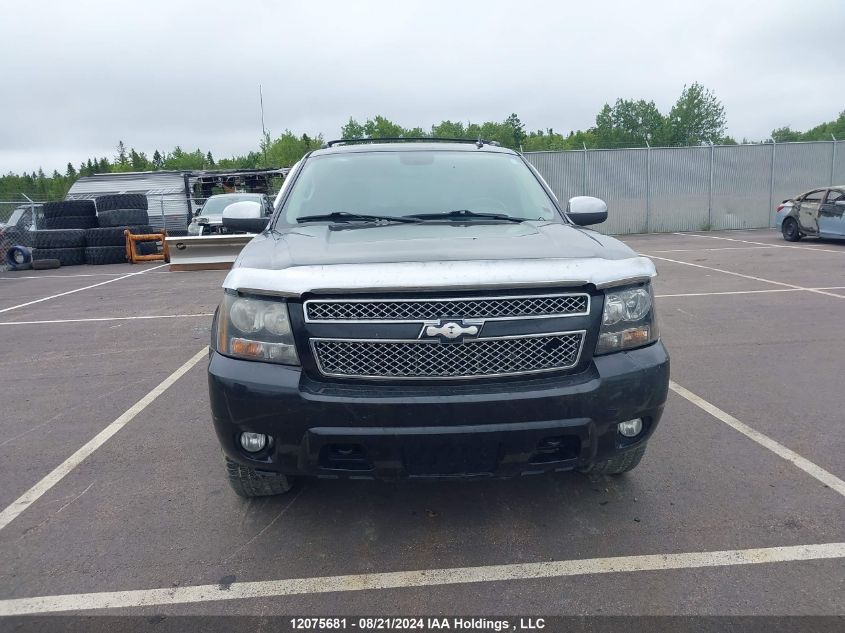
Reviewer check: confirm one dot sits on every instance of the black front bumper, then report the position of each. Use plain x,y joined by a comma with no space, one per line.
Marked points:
501,428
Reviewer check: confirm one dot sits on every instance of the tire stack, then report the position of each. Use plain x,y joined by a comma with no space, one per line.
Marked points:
106,244
62,242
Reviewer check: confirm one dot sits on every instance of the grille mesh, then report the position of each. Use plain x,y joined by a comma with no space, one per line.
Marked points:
484,357
399,310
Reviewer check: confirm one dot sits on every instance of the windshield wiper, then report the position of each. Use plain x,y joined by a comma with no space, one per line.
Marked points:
466,214
345,216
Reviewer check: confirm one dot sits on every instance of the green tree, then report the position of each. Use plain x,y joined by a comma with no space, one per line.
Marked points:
381,127
517,130
352,129
449,129
697,117
70,172
288,148
629,123
824,132
138,161
121,160
158,160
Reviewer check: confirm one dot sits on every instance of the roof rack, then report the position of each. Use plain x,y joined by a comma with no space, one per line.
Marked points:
414,139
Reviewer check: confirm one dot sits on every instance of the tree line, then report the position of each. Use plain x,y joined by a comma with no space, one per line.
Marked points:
697,117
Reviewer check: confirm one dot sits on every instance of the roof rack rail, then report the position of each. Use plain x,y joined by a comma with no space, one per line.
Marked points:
415,139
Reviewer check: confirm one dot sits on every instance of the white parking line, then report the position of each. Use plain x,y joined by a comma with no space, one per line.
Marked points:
733,239
828,479
420,578
16,277
33,494
725,248
730,272
742,292
70,292
106,319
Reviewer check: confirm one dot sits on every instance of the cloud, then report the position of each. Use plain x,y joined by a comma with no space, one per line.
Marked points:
80,76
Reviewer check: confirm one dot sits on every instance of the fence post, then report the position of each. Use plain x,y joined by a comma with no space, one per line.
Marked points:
647,185
584,171
710,190
32,211
833,162
161,203
772,186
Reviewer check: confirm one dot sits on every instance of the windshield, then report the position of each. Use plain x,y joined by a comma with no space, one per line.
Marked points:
15,217
413,182
216,204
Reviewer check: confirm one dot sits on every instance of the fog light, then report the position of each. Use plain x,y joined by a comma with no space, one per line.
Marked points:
629,428
253,442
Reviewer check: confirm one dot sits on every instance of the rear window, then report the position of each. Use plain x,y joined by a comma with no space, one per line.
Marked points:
215,206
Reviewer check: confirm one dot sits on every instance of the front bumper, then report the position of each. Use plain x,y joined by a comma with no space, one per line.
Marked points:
501,428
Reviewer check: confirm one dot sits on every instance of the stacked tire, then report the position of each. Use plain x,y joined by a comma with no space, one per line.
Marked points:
107,245
116,213
62,241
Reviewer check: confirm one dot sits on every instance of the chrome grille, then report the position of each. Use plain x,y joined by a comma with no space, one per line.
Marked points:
505,356
412,310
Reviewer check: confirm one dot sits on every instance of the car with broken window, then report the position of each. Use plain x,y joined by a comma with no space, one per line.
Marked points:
816,213
422,309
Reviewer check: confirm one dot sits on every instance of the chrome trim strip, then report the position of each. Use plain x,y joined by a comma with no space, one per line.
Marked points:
433,276
448,316
316,357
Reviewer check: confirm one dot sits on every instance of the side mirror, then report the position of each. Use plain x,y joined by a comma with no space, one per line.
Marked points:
586,210
246,216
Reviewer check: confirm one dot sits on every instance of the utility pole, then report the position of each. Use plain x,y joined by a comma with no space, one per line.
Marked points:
263,130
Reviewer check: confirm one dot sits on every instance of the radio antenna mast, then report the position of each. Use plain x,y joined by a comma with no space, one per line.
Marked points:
263,130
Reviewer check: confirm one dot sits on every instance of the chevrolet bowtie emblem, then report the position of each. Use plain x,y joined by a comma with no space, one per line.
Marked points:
451,331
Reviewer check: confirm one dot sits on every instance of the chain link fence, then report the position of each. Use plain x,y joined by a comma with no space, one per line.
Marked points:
715,187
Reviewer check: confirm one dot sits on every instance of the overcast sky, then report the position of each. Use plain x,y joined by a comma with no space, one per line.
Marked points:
78,76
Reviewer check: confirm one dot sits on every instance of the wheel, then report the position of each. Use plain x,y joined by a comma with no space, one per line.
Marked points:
66,256
123,217
790,230
19,258
45,264
619,464
99,255
70,222
72,208
112,235
122,201
58,238
248,482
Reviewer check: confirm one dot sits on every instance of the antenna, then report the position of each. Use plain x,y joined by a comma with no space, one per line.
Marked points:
263,130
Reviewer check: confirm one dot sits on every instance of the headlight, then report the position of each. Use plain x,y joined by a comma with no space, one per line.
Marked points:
628,319
256,329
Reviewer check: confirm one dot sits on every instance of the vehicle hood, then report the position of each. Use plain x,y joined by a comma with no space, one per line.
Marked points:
440,254
209,219
322,244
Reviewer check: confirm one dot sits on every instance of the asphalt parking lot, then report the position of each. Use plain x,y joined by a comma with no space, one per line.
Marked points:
113,480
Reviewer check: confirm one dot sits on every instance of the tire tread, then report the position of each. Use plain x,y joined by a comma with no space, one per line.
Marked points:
247,483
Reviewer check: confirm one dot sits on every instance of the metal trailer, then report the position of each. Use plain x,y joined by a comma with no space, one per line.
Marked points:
168,194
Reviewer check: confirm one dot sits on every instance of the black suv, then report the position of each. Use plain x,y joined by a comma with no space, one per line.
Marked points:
428,309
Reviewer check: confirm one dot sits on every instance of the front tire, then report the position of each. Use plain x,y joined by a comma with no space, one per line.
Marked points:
790,230
619,464
248,482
